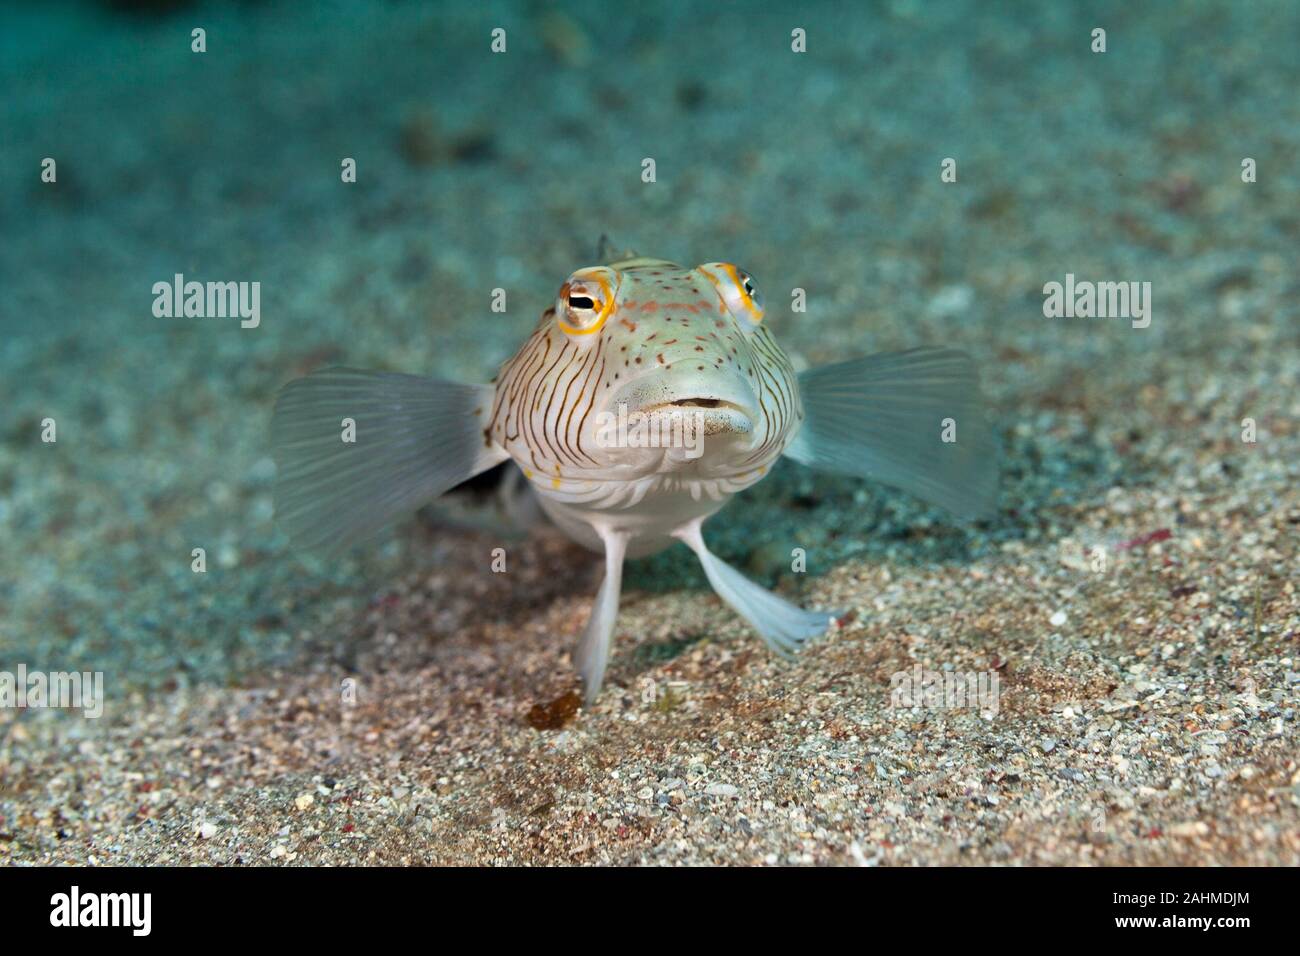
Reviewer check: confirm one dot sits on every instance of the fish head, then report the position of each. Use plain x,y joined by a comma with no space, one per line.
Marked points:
644,366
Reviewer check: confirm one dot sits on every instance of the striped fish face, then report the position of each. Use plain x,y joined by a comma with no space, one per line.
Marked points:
642,367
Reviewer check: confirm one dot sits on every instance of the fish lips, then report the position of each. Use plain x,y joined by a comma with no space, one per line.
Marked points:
716,411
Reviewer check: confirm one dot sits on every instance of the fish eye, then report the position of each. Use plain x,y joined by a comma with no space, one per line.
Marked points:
737,289
585,301
751,290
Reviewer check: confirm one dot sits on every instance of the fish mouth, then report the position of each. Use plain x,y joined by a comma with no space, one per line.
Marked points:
725,410
699,402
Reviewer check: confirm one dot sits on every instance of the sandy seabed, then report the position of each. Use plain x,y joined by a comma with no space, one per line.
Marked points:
405,704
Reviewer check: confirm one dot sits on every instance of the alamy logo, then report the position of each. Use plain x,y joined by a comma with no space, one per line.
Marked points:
945,690
640,430
209,300
103,909
1103,300
69,690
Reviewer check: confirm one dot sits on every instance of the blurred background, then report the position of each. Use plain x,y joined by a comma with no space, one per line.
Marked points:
475,171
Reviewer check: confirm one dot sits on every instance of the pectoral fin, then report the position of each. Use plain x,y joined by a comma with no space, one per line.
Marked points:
886,417
355,450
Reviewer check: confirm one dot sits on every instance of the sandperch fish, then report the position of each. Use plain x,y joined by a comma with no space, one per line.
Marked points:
646,397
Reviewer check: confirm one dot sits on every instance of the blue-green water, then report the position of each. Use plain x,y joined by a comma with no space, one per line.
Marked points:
478,170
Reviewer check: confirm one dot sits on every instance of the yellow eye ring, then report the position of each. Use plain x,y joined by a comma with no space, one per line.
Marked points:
594,314
736,289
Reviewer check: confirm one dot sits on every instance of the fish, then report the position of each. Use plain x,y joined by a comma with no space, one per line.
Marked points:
647,396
